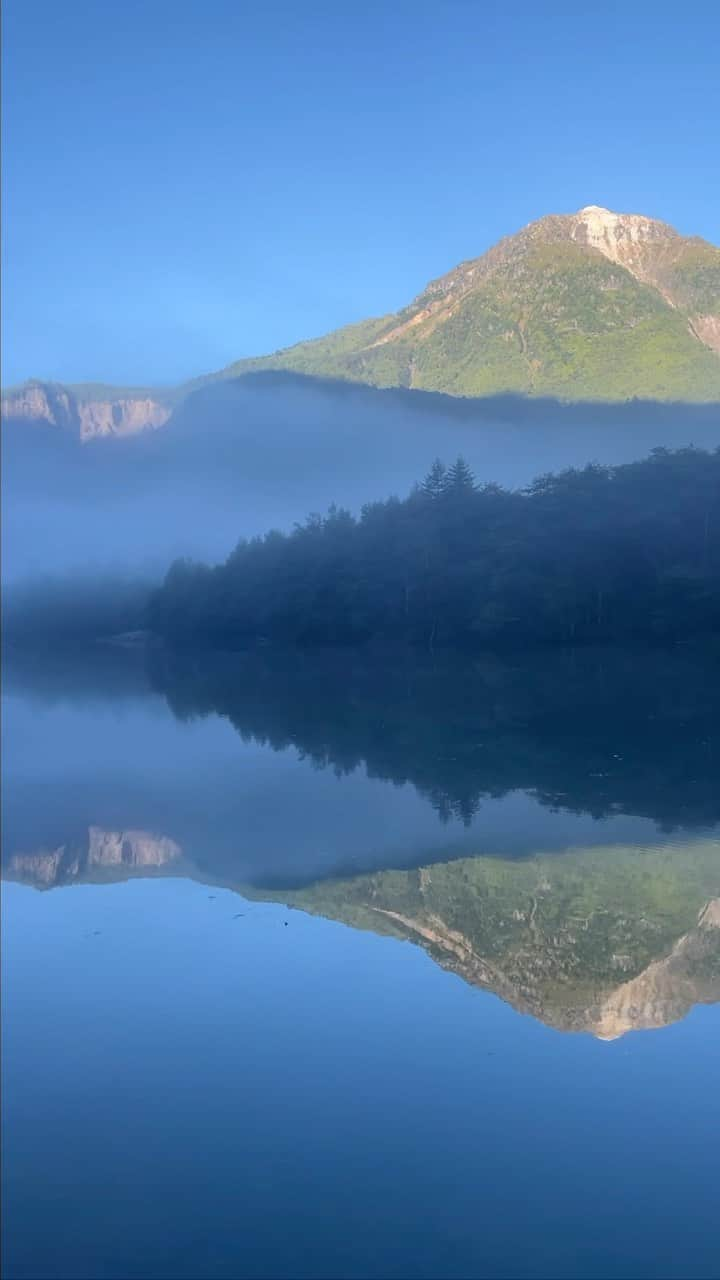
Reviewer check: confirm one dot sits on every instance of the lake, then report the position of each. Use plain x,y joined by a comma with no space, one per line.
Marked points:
338,965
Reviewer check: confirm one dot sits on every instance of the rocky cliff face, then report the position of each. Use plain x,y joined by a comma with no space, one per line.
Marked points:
659,995
123,415
634,241
685,271
120,852
668,988
129,849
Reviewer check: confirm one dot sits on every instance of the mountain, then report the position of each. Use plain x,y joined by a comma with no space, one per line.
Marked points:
594,305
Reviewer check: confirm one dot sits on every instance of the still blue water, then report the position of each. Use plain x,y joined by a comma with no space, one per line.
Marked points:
202,1080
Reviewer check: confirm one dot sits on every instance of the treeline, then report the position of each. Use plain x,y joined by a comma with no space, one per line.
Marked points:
603,553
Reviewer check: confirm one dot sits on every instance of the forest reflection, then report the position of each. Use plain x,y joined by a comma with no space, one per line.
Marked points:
600,732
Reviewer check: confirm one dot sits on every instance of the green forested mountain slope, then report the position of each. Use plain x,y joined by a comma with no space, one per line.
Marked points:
591,305
587,306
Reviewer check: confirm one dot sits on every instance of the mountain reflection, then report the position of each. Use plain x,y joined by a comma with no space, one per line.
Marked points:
590,777
603,940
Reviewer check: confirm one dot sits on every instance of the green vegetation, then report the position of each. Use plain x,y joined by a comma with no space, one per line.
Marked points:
595,555
86,391
537,316
324,356
543,313
594,894
557,936
694,278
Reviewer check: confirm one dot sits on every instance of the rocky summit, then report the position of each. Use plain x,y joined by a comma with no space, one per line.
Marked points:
593,305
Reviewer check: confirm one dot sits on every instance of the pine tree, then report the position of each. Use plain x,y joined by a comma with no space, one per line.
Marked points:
460,478
435,482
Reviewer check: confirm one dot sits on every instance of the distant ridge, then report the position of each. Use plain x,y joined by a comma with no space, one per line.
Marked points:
593,305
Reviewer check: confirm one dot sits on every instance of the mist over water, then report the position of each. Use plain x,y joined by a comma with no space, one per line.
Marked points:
360,785
239,458
304,937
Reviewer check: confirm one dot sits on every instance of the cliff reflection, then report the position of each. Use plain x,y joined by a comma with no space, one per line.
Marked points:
103,855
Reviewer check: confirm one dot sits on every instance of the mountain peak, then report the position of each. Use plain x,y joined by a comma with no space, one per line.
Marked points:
591,305
631,240
608,217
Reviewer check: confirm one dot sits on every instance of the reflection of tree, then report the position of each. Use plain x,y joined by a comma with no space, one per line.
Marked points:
596,732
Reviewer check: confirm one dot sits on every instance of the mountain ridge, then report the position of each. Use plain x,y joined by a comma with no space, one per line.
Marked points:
594,305
583,306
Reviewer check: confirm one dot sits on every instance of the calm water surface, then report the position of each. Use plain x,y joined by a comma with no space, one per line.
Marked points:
323,967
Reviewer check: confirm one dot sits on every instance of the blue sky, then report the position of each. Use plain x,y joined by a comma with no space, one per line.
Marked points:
186,183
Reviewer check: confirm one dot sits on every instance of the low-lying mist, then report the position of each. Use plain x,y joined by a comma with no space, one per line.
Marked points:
239,458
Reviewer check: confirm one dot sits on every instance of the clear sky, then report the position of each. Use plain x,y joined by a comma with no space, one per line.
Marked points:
190,181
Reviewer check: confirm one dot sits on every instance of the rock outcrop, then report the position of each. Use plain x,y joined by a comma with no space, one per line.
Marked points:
661,994
86,418
668,988
120,852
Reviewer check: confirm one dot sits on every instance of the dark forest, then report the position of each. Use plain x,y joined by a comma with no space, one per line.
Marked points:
598,554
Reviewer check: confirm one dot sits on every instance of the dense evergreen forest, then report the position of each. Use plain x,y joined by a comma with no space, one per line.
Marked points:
599,554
